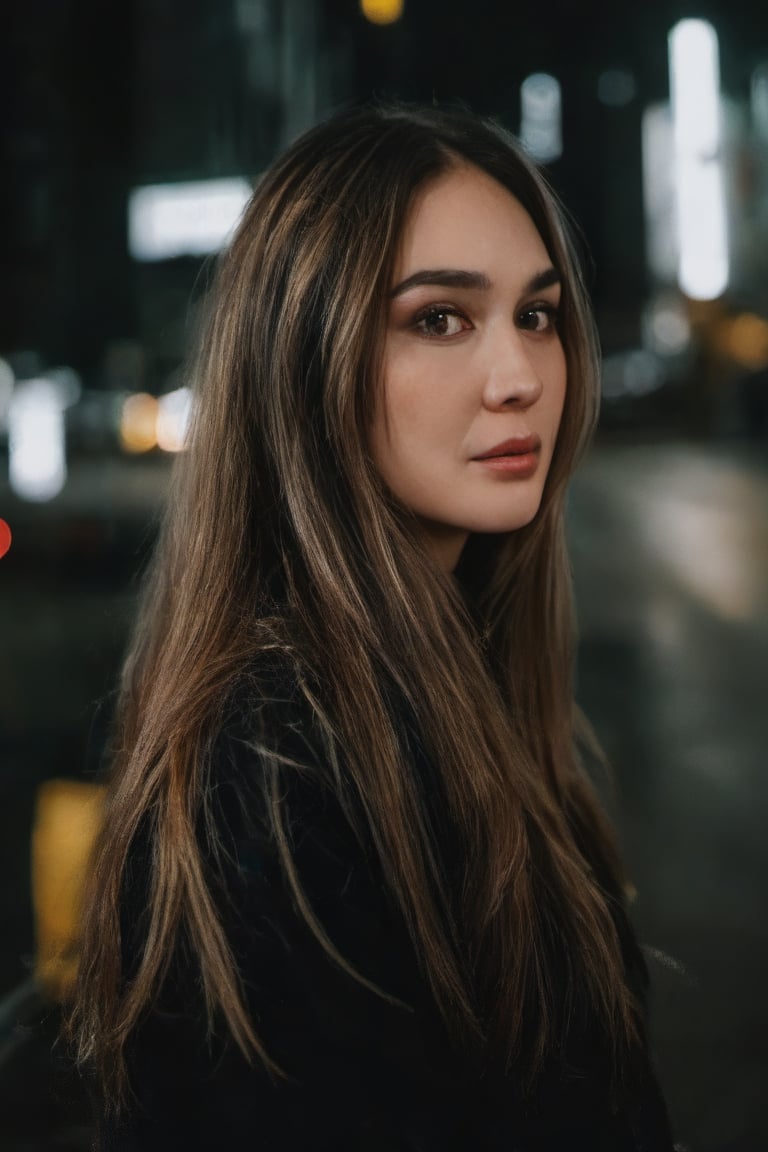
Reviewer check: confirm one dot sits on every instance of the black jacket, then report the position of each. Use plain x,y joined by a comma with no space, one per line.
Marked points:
362,1073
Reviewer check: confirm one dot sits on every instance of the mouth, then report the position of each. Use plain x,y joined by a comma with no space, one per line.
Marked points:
515,446
518,456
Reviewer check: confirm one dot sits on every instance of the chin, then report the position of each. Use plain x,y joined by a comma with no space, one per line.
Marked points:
507,521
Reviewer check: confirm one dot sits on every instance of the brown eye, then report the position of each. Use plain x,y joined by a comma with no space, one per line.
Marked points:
439,322
542,318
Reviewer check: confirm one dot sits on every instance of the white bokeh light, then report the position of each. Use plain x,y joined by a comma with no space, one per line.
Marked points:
37,466
185,219
541,116
173,416
694,76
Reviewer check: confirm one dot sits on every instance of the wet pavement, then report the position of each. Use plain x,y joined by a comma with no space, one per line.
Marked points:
670,551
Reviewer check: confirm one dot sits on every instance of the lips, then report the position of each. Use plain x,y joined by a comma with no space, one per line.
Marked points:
516,446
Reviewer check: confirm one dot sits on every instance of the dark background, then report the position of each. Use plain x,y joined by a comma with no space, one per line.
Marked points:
668,517
94,104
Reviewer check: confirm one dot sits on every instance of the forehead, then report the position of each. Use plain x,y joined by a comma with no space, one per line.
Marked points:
466,219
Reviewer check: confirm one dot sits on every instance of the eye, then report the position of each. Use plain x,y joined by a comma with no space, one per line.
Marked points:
439,322
539,318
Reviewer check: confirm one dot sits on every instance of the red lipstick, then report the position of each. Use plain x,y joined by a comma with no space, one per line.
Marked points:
518,456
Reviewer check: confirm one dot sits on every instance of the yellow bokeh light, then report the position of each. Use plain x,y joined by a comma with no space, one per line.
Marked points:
382,11
138,423
746,340
68,815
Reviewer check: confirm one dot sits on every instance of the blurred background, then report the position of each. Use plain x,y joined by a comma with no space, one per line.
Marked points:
130,136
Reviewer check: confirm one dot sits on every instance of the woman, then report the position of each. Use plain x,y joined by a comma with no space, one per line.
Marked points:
354,889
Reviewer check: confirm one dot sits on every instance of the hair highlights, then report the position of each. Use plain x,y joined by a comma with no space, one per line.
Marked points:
280,536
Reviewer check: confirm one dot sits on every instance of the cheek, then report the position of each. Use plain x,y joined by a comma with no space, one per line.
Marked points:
403,413
391,426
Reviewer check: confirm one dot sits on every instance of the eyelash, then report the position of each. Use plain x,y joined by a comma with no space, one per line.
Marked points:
432,312
550,311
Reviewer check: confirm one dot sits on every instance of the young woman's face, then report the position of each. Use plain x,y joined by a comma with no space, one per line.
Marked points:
474,371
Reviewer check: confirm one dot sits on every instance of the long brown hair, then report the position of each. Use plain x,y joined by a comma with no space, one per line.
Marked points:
280,535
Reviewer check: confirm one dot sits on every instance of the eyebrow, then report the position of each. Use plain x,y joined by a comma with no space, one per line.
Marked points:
458,278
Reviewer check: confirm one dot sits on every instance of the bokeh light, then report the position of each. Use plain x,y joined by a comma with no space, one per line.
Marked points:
5,538
173,416
37,466
382,11
694,81
744,338
138,423
541,116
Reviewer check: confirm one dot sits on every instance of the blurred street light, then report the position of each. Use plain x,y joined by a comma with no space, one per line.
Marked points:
37,465
138,423
194,218
541,116
382,11
173,416
694,76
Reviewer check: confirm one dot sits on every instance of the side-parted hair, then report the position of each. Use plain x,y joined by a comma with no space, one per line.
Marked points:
280,535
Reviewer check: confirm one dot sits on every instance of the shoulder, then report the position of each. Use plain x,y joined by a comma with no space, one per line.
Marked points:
271,719
276,826
270,759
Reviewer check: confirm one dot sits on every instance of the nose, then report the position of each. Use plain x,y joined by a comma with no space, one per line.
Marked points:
511,378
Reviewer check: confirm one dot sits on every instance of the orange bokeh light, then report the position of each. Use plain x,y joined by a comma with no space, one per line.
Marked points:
382,11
